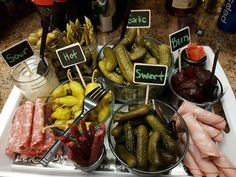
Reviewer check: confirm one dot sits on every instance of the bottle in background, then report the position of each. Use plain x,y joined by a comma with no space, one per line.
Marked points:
227,19
181,8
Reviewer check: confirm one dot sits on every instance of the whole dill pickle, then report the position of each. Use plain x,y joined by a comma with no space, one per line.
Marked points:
141,111
129,137
142,147
138,53
165,55
117,130
113,76
168,141
110,59
124,62
125,155
154,156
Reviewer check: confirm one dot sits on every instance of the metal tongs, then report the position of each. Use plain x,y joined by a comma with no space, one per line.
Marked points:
91,100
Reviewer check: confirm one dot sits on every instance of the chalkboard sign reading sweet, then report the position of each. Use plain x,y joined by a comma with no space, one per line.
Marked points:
17,53
71,55
150,74
139,19
179,39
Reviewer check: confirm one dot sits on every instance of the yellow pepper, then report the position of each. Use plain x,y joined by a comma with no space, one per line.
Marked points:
90,86
68,101
60,91
62,113
77,89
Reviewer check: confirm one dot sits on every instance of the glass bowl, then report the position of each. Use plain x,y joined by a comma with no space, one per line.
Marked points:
173,124
123,93
91,117
95,165
203,99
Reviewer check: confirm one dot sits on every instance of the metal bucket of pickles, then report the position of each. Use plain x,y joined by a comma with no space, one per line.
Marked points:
66,101
146,138
116,60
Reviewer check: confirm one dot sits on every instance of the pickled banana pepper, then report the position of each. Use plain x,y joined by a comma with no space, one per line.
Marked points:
147,145
132,48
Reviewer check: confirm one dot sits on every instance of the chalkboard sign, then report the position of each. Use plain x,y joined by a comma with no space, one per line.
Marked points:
179,39
71,55
139,19
150,74
17,53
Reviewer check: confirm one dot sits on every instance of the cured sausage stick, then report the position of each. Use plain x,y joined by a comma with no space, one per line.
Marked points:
38,124
203,115
200,137
11,148
224,165
26,126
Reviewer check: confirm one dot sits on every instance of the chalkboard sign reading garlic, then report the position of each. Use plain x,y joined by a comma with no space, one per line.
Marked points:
71,55
150,74
139,19
17,53
179,39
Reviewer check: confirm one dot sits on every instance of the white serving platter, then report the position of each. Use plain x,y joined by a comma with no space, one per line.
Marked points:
8,168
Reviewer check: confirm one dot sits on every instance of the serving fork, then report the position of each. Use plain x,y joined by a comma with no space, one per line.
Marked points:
91,100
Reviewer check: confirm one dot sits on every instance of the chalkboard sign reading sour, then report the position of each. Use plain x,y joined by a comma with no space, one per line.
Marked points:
17,53
150,74
179,39
139,19
71,55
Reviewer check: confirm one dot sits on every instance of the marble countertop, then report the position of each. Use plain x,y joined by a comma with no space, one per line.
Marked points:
162,25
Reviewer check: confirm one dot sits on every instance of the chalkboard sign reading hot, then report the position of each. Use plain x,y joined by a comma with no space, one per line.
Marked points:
179,39
139,19
17,53
150,74
71,55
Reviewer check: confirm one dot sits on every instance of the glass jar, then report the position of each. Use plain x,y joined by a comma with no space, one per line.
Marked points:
32,84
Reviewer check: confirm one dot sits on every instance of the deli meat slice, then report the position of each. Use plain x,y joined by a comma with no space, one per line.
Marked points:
224,165
49,140
214,134
203,115
200,137
38,124
205,164
26,126
15,132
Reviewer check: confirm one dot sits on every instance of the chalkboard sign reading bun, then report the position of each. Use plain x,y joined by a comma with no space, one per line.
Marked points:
150,74
179,39
17,53
71,55
139,19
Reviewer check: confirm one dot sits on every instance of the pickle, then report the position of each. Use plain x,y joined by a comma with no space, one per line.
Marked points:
129,137
125,155
117,130
138,53
124,62
152,48
142,147
165,55
169,158
110,59
131,34
168,141
113,76
141,111
154,156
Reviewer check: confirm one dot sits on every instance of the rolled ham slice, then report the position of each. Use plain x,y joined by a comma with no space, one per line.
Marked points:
213,133
38,124
203,115
205,164
224,165
26,126
200,137
190,163
15,132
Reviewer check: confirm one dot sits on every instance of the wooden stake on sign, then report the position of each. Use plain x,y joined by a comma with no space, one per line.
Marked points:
179,54
80,76
27,67
147,94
